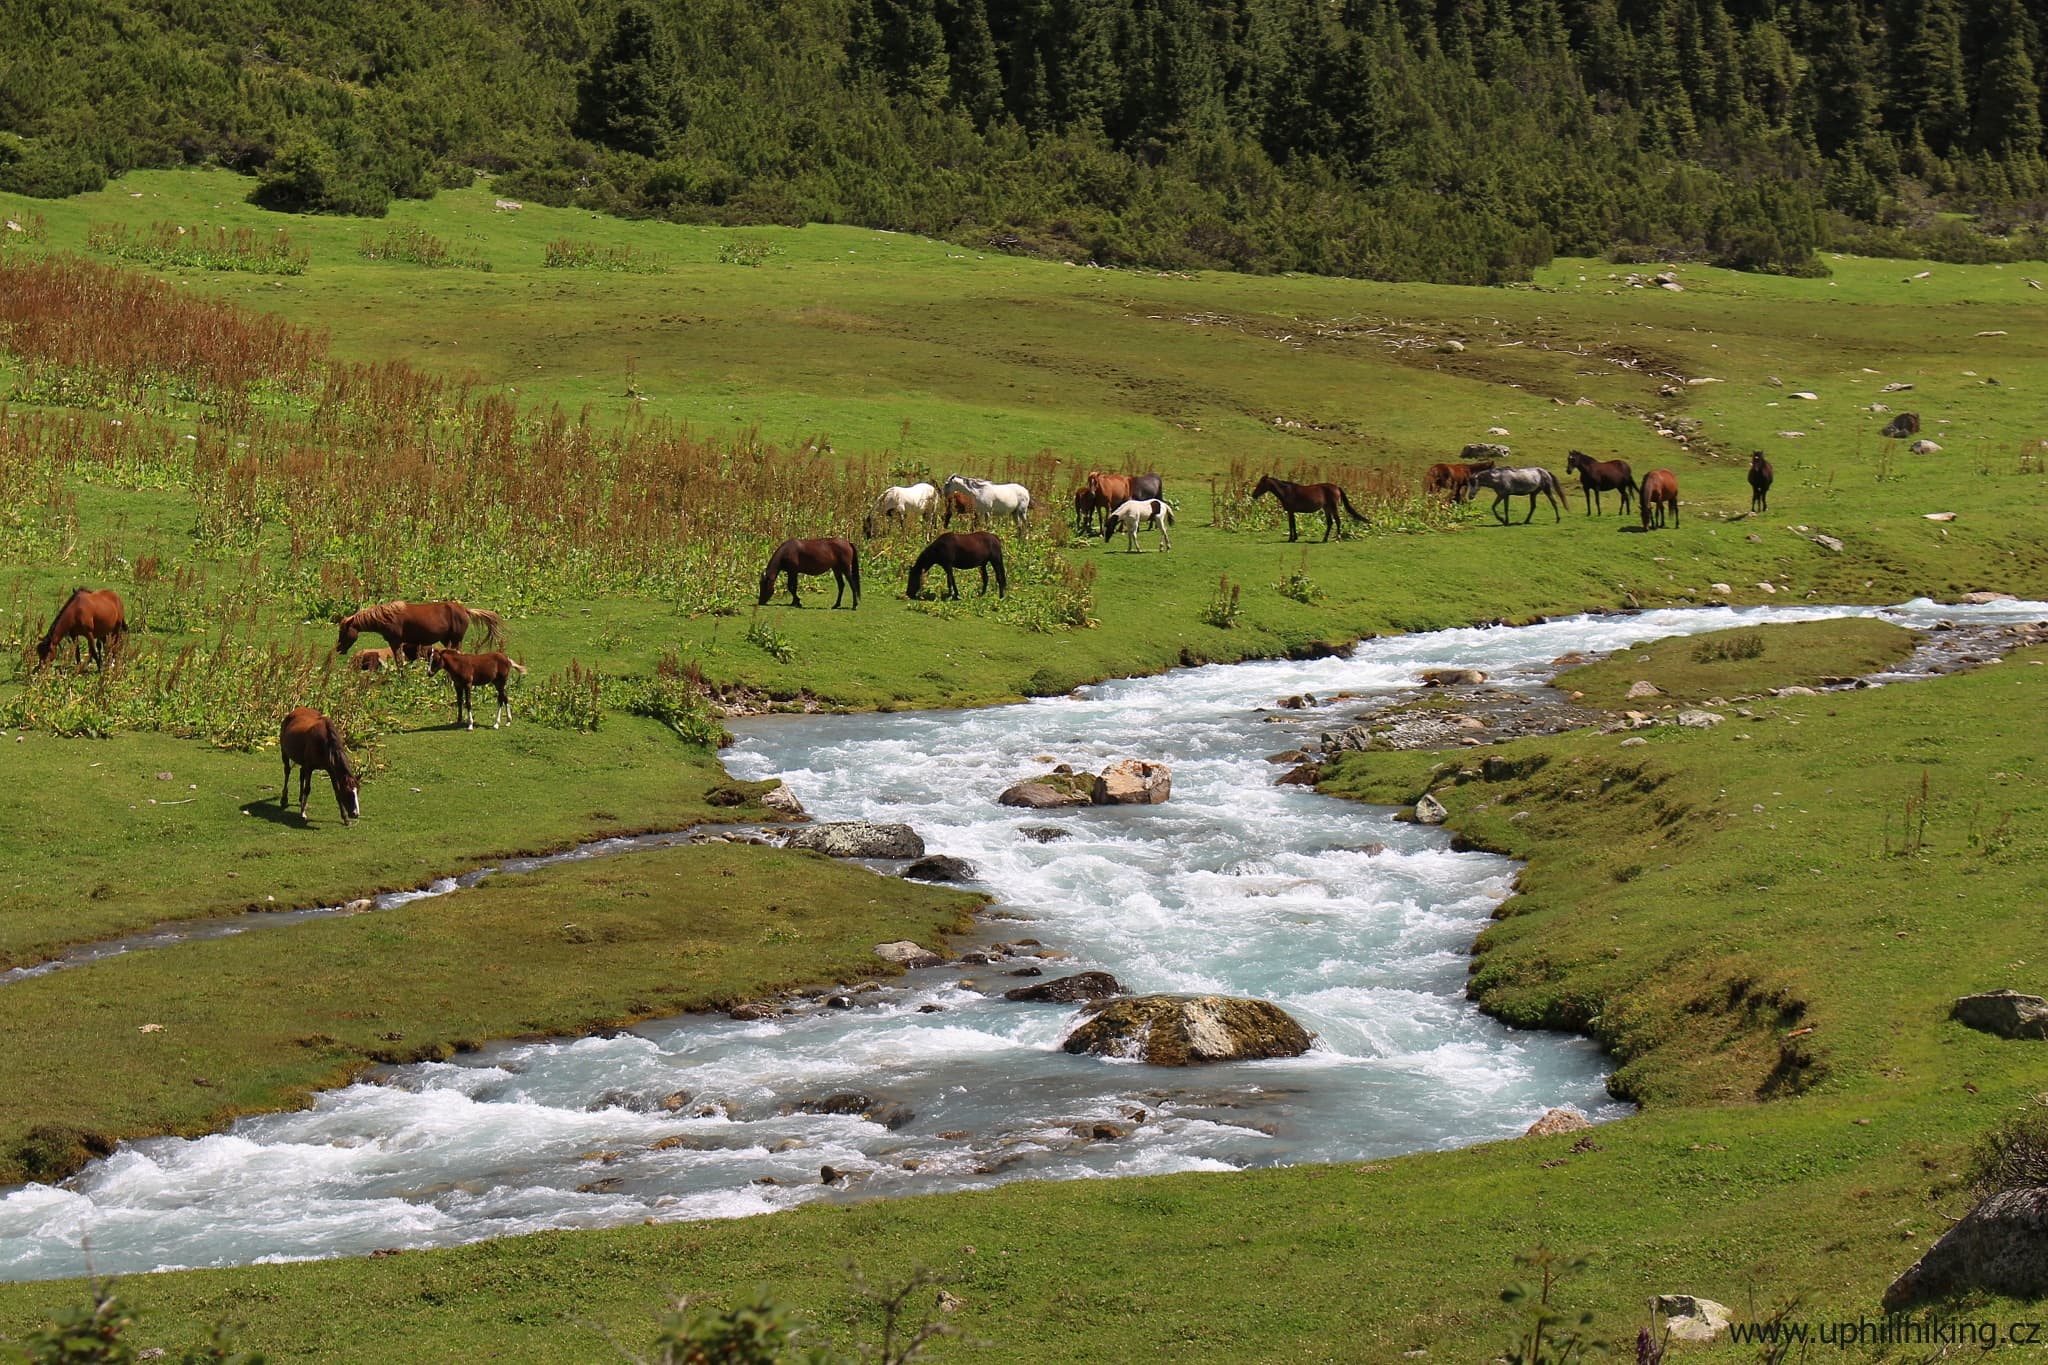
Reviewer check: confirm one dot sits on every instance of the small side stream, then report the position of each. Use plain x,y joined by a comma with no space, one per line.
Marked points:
1356,923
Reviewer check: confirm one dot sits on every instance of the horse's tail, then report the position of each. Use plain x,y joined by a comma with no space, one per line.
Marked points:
515,665
1345,498
1165,510
494,626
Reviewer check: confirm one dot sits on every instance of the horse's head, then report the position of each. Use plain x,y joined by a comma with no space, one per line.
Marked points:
1264,486
435,664
867,526
768,580
1756,460
347,636
348,789
1576,461
915,589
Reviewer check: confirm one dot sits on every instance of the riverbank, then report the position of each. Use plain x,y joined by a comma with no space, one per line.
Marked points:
1721,1193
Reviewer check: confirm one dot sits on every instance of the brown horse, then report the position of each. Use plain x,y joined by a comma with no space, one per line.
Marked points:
1659,490
1454,479
1599,476
960,504
1087,502
1117,489
94,617
1307,497
1760,475
961,550
832,555
368,660
411,627
466,671
310,740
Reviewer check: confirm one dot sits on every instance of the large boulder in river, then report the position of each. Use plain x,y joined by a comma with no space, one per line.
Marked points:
940,867
2000,1247
1068,990
2005,1013
1183,1030
1133,782
859,839
1051,791
905,953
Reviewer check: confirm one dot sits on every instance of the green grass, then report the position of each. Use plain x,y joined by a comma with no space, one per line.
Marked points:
259,1021
1740,661
1661,909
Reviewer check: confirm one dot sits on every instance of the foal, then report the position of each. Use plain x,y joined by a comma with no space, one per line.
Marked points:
310,740
466,671
1760,475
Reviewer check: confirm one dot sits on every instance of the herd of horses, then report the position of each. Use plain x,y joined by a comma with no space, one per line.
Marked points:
96,621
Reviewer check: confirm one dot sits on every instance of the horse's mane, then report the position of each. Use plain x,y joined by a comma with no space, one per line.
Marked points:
337,753
383,614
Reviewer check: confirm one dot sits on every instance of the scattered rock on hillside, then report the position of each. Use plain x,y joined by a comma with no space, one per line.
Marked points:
780,798
859,839
1430,811
1925,448
1699,720
940,867
1558,1121
1643,687
2005,1013
1133,782
1828,543
1689,1318
905,953
1185,1030
2000,1247
1068,990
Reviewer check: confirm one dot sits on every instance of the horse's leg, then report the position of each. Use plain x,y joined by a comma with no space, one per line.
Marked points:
1292,534
305,789
984,578
284,793
794,599
952,585
838,587
499,719
1165,540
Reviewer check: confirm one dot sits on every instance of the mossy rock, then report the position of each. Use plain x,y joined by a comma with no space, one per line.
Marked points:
1187,1030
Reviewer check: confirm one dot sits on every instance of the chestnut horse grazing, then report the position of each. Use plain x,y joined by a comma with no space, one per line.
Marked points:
466,671
831,555
1660,490
310,740
959,503
1307,497
95,617
1760,475
1454,479
1599,476
410,627
961,550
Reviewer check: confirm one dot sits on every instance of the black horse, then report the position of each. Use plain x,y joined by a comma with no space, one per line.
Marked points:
1760,475
961,550
830,555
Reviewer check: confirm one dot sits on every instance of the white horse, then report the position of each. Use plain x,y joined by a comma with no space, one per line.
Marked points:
902,502
993,499
1137,514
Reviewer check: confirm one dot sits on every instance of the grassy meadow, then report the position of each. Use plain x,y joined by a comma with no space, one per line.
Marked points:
605,448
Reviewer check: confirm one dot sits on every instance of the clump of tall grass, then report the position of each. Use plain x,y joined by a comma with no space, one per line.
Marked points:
200,248
415,245
573,253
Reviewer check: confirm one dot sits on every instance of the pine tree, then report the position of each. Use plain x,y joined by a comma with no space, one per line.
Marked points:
1928,98
2008,122
1838,96
629,98
977,77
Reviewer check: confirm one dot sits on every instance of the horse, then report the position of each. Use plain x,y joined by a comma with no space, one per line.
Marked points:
900,503
1528,480
1087,502
1307,497
991,500
960,503
1659,490
411,627
94,617
961,550
367,660
466,671
831,555
310,740
1135,515
1760,475
1117,489
1597,476
1455,479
